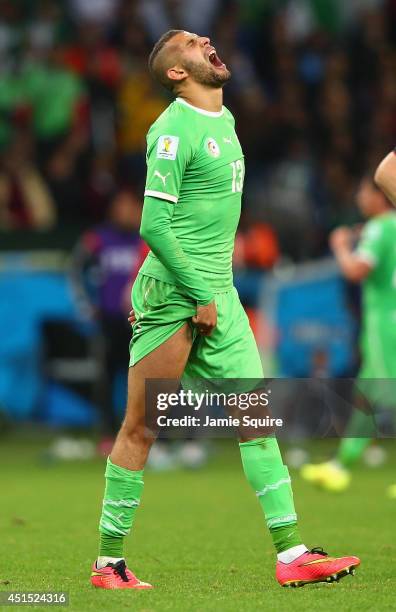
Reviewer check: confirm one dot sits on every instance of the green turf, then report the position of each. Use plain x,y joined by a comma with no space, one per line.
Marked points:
199,537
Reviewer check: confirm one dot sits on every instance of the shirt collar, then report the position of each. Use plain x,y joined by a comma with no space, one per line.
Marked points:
201,110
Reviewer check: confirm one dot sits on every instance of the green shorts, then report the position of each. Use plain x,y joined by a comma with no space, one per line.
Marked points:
377,375
161,309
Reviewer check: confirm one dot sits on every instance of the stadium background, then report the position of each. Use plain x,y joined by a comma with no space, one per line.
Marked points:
314,95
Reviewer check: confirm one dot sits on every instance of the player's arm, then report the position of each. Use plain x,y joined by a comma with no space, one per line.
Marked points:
167,159
385,176
156,231
355,265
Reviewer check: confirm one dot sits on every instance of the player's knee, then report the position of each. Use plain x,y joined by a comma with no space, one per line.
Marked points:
137,433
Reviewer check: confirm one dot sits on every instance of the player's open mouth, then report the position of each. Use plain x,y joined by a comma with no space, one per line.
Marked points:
215,60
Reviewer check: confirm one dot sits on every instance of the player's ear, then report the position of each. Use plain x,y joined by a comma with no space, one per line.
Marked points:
176,73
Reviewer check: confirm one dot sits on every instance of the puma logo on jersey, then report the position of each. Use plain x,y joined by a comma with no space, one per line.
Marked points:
228,140
163,178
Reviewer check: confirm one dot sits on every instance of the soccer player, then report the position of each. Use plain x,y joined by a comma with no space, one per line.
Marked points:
372,263
188,315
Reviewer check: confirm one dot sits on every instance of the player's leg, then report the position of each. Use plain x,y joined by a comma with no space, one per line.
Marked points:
125,466
166,362
371,391
231,353
261,457
375,392
124,471
334,475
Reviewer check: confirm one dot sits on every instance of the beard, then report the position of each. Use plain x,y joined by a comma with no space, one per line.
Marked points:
206,74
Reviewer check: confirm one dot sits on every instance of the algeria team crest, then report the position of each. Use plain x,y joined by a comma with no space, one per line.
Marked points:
212,147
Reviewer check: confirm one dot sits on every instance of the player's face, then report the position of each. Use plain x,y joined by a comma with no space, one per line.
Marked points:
367,198
200,60
125,211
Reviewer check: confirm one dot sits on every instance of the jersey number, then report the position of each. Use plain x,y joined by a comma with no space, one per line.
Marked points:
237,176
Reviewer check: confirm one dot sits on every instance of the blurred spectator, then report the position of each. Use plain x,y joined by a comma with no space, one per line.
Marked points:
162,15
94,11
66,185
104,264
139,105
25,202
55,96
290,203
101,181
138,101
11,30
256,246
47,27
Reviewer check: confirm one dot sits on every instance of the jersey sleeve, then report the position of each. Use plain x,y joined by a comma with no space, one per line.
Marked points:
371,245
156,230
169,152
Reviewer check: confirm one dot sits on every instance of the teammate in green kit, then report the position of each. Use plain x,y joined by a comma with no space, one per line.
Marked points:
189,319
372,263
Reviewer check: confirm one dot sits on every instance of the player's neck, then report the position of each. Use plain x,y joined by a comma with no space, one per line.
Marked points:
383,211
207,99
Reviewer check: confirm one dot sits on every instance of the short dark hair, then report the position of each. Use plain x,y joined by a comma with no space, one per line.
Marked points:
156,69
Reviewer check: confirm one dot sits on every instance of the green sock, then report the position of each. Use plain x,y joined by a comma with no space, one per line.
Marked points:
357,438
270,479
121,499
109,546
285,537
351,449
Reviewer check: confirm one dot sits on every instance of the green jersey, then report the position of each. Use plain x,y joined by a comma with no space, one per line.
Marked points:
378,336
195,161
378,247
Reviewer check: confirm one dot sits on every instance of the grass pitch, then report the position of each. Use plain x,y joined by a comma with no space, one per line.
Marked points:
199,537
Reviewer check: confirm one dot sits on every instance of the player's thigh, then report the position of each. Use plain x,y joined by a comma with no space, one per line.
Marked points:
161,310
167,361
231,351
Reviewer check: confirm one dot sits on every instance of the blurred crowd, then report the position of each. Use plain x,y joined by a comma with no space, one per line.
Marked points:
313,91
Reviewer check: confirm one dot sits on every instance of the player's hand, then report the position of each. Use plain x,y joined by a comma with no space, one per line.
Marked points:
206,318
341,238
132,317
